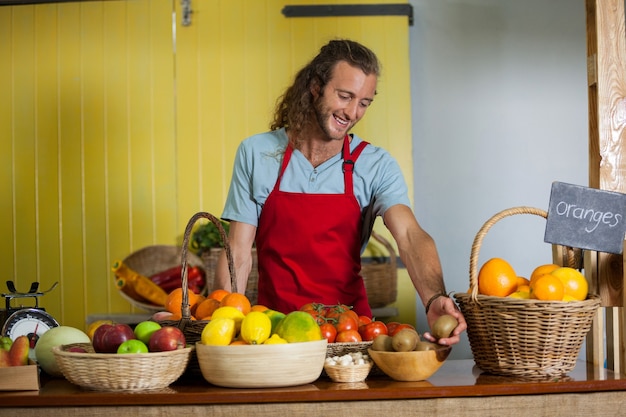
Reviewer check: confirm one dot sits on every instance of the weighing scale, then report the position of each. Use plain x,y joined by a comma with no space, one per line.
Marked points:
30,321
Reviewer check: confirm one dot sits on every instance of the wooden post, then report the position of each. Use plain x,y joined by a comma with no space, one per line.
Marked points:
606,68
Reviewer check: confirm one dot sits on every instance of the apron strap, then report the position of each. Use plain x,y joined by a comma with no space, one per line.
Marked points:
348,163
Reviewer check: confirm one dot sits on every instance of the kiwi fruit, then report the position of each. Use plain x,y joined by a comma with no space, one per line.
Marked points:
382,342
405,340
423,345
444,326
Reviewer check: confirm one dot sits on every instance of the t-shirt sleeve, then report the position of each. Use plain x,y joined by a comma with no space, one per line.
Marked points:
388,184
240,205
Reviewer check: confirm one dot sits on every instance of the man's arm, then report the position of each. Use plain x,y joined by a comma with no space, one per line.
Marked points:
241,238
419,254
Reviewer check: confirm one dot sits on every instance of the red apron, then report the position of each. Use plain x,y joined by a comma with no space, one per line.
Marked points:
309,245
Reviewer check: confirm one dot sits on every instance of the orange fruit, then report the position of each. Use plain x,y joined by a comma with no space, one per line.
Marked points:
521,281
218,294
541,270
574,282
258,307
547,287
238,342
237,300
497,277
205,309
523,288
174,301
178,316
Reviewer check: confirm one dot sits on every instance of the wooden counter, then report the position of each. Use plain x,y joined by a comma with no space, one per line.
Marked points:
458,389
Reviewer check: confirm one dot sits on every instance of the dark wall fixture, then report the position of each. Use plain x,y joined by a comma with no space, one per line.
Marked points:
326,10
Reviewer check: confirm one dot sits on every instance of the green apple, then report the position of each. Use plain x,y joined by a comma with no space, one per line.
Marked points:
5,343
145,329
133,346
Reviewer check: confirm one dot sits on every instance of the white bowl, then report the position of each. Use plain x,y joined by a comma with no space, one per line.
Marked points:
262,366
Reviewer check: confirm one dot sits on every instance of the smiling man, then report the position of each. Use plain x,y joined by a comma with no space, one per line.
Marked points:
308,191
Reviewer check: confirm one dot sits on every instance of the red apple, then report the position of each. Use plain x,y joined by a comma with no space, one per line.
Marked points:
167,338
108,337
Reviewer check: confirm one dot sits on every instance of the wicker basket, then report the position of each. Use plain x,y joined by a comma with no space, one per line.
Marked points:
153,259
111,372
210,257
348,373
192,329
523,337
381,278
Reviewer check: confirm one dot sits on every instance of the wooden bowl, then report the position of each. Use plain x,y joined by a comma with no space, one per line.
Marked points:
410,366
262,366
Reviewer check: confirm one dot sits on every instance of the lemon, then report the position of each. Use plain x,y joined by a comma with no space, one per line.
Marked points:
524,295
299,326
220,331
275,340
256,327
229,312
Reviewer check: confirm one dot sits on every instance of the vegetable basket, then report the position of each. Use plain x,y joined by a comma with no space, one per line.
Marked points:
113,372
210,258
150,260
523,337
381,278
192,329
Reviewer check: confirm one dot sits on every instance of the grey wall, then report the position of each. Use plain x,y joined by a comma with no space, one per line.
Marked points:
499,113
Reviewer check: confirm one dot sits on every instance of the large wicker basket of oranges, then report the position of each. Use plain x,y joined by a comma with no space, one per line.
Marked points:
516,334
191,326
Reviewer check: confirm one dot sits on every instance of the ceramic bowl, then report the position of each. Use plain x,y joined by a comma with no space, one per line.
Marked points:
262,366
410,366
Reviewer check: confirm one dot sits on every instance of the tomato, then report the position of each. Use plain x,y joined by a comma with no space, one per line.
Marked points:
329,332
369,331
337,310
346,321
392,325
318,307
364,320
348,336
398,327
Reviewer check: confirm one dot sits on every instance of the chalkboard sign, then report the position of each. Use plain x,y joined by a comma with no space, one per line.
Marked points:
586,218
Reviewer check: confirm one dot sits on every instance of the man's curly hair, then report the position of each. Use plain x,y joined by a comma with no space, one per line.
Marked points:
295,106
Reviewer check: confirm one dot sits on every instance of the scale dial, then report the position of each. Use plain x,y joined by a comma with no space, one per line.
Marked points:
31,322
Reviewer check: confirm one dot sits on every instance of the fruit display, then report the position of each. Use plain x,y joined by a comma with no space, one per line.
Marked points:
340,324
14,353
147,336
548,282
61,335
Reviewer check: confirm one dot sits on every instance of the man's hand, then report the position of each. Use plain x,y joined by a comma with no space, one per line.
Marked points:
445,305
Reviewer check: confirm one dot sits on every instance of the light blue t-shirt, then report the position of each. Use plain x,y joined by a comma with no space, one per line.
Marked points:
378,180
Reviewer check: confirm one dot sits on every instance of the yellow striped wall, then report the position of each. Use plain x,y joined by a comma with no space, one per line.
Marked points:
117,124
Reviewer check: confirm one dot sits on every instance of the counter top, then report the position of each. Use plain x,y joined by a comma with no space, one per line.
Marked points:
456,378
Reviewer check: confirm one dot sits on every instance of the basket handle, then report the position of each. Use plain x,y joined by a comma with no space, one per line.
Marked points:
478,239
186,308
387,245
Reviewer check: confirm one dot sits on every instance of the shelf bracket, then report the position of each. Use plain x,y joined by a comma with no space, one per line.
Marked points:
327,10
186,12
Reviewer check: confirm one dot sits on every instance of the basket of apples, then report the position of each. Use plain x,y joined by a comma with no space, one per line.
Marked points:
121,358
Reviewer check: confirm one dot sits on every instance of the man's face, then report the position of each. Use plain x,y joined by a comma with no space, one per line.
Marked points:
344,100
